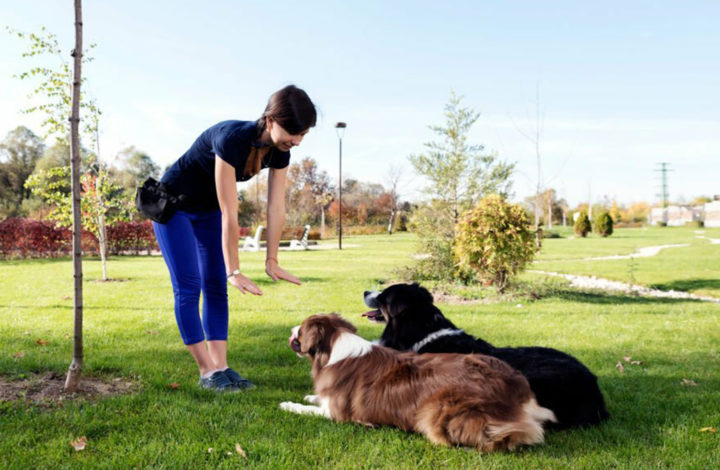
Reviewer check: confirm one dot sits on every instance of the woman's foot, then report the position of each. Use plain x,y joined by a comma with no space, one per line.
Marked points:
218,381
238,380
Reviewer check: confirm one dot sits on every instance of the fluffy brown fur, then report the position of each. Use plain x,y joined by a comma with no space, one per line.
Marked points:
453,399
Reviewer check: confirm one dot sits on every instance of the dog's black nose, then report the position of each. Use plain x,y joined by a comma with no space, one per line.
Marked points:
370,298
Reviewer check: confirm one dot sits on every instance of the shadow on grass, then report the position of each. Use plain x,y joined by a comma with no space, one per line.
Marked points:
601,298
270,282
688,285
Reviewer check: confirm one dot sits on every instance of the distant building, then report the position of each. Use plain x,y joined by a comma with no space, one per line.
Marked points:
675,216
712,214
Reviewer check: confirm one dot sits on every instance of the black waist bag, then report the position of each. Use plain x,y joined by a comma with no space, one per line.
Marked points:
155,202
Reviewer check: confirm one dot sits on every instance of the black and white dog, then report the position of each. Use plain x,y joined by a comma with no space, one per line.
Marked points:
560,382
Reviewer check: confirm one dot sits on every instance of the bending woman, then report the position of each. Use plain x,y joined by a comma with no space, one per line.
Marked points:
200,242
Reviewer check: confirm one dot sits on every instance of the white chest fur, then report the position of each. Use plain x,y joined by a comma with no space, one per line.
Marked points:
349,345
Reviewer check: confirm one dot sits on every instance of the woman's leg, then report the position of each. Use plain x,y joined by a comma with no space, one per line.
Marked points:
208,233
179,248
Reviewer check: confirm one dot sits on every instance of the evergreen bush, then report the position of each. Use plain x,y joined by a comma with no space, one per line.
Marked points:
495,240
603,224
582,225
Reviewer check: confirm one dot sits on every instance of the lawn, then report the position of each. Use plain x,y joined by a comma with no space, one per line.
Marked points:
130,333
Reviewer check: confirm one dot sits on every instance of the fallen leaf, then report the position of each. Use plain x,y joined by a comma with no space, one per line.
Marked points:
210,449
42,342
627,358
27,333
637,363
173,386
79,443
229,453
620,367
19,354
151,332
708,429
688,383
66,297
240,451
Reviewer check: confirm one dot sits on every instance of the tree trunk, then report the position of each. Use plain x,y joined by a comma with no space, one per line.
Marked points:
102,244
75,369
549,221
390,223
322,222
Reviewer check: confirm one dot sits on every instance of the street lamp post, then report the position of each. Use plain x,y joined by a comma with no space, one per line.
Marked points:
340,129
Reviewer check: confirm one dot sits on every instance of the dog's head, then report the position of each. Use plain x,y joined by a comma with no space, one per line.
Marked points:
315,337
395,300
409,312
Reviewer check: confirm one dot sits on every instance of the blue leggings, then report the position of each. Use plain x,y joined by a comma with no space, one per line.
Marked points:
192,247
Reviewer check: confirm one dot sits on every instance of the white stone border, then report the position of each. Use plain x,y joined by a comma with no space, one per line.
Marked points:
593,282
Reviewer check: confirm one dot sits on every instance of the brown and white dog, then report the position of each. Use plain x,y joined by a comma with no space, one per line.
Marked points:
453,399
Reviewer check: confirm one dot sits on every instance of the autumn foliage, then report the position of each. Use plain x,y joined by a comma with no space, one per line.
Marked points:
495,240
28,238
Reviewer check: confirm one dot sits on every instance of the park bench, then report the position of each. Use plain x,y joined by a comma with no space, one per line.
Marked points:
253,243
301,244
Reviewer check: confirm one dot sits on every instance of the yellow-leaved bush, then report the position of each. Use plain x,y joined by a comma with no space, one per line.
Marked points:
495,240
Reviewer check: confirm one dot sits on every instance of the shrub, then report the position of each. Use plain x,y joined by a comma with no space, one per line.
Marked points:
131,238
582,225
32,238
28,238
434,227
495,240
603,224
551,234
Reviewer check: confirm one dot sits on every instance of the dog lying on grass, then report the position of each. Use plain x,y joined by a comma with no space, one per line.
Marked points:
453,399
559,381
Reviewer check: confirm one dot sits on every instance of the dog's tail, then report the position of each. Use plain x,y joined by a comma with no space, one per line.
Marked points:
451,420
526,430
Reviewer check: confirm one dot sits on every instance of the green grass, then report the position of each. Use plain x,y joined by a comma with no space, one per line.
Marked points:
655,421
695,268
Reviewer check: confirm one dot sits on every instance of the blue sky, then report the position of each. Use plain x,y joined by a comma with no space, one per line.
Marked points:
622,85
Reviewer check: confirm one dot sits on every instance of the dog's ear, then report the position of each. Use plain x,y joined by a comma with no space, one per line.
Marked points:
311,335
422,295
340,323
396,305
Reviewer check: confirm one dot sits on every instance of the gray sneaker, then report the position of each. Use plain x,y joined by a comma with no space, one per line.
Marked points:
218,382
238,380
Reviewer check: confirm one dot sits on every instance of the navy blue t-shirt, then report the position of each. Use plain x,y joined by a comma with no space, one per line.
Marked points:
193,174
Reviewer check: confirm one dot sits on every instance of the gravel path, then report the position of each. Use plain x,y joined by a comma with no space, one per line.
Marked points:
593,282
713,241
641,253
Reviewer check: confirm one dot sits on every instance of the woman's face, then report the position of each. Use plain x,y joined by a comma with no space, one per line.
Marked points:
281,138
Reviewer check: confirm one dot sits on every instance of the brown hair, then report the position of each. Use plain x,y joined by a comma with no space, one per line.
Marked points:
292,109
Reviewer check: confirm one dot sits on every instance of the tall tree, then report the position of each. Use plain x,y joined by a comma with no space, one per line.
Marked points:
460,173
62,106
393,177
308,190
75,369
134,168
534,138
19,153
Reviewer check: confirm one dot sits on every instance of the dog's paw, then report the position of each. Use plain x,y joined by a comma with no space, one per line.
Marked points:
289,406
312,399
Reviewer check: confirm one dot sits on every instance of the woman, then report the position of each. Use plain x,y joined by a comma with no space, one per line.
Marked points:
200,241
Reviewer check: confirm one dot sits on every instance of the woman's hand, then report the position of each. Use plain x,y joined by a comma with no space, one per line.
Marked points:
244,284
276,272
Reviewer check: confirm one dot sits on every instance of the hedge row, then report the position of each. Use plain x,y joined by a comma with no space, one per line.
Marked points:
28,238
